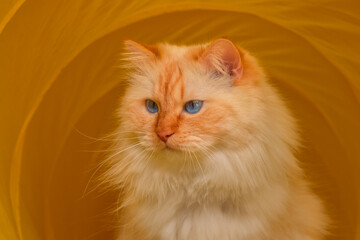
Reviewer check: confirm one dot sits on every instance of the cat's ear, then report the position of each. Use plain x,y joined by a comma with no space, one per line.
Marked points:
223,57
137,52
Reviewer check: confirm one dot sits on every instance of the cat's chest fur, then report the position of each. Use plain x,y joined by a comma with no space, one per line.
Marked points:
203,207
215,221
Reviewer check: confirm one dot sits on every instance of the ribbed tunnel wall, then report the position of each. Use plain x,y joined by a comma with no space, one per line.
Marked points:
60,85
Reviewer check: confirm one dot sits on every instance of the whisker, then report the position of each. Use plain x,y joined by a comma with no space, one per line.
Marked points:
90,137
85,193
208,152
117,153
199,164
101,165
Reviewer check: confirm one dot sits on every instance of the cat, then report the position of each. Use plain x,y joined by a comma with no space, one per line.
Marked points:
205,150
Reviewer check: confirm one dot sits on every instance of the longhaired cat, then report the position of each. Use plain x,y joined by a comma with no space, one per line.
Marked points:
205,150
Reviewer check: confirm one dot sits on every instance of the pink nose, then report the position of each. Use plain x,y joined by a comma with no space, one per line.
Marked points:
164,135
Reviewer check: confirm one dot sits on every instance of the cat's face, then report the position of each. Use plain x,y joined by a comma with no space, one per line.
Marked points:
182,98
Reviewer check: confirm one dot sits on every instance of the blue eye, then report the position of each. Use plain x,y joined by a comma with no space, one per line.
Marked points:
193,106
151,106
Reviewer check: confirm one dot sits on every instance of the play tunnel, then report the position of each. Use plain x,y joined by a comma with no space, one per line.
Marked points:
60,84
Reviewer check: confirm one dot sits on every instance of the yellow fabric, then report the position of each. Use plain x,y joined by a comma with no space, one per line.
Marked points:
59,83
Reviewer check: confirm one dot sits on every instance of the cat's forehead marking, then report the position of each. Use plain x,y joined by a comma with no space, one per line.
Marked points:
170,84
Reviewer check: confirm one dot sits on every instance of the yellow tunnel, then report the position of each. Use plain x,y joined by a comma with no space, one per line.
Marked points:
60,85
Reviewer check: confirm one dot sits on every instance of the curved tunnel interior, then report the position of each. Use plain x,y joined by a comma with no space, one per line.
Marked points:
64,140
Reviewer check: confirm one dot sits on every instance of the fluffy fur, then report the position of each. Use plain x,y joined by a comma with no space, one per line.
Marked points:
228,171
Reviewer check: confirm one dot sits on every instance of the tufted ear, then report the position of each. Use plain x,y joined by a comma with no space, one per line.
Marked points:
137,52
223,57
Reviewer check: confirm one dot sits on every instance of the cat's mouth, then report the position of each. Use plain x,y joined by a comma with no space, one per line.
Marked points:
170,148
173,146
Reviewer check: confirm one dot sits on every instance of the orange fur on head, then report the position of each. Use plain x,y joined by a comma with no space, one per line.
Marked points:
225,172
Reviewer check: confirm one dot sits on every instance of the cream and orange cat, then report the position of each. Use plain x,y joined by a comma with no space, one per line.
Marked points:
205,150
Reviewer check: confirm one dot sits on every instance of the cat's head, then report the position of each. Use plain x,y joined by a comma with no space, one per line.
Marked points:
190,98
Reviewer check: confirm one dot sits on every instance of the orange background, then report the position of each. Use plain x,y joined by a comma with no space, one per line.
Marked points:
60,86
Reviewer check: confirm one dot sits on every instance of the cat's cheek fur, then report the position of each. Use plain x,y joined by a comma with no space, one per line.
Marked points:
140,122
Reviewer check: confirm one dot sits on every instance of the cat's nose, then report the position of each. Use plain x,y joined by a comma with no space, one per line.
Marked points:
164,135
